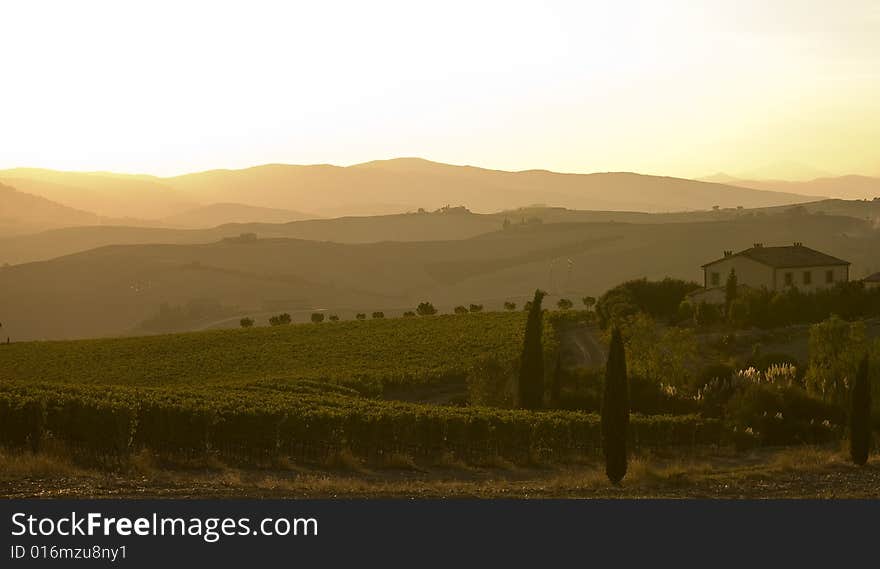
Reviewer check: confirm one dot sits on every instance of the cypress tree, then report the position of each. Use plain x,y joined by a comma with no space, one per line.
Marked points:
531,371
860,416
615,410
730,288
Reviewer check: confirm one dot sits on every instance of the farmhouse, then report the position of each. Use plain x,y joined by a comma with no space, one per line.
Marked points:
872,281
776,269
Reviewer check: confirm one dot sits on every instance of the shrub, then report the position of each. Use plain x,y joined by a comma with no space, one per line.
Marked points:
564,304
317,317
280,319
659,299
426,309
475,308
706,314
246,322
712,372
776,415
333,318
685,313
849,300
489,383
378,315
835,347
765,361
409,314
360,316
461,310
509,306
663,355
652,398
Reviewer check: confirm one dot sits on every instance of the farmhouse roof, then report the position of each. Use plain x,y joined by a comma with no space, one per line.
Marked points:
875,278
786,257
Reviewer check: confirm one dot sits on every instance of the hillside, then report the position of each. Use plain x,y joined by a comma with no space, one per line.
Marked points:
364,355
868,210
224,213
108,195
112,290
412,183
387,186
21,212
844,187
441,225
401,227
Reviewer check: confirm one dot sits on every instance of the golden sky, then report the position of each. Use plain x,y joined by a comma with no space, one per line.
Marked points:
674,87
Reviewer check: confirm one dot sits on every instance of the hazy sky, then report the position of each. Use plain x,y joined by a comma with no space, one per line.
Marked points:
671,87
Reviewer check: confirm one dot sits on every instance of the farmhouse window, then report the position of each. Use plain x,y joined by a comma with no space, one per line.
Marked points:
808,277
829,277
715,279
789,279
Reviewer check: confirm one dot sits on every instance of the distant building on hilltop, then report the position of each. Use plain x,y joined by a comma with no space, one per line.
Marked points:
773,268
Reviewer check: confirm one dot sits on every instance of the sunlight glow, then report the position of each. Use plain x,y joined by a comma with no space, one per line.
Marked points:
677,88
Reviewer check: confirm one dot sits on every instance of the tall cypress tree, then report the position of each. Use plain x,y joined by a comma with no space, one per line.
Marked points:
730,290
860,416
531,371
615,410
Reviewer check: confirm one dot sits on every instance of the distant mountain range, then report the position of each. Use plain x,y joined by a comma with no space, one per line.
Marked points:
844,187
380,187
22,213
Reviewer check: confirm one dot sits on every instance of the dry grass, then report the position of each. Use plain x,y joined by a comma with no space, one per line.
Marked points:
800,471
448,460
344,460
40,465
399,461
799,458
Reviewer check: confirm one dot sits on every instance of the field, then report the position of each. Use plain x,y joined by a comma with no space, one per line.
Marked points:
307,392
307,422
316,409
368,355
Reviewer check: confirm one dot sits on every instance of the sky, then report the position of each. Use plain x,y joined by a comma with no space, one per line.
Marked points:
784,88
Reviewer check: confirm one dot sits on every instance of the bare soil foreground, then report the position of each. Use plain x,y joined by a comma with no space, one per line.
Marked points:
805,472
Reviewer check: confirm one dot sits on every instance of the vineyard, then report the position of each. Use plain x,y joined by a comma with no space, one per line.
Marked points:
368,355
307,421
305,391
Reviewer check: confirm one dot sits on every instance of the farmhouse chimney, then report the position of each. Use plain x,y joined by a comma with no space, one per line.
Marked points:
758,245
728,253
798,244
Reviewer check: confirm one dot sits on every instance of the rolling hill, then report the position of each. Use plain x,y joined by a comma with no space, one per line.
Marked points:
844,187
114,290
223,213
386,186
106,194
21,212
442,225
412,183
